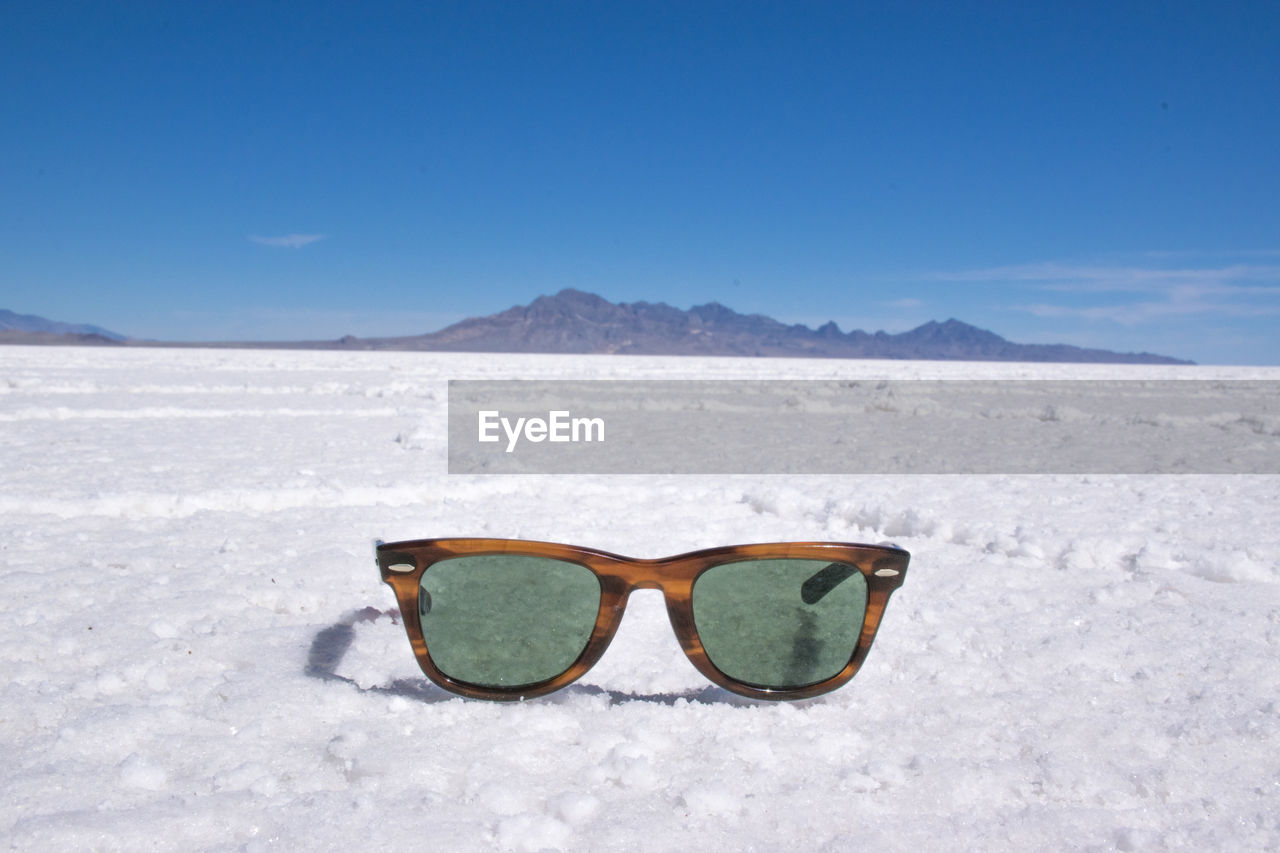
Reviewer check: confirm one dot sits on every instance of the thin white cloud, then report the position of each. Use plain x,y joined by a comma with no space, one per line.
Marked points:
1135,313
1191,253
287,241
1234,290
1084,278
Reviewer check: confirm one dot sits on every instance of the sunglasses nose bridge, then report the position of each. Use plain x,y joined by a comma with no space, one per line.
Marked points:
649,574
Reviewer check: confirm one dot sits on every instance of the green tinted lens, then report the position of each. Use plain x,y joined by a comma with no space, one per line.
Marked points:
780,623
506,620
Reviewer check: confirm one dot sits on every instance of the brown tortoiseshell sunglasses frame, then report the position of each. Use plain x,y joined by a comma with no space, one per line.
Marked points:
403,563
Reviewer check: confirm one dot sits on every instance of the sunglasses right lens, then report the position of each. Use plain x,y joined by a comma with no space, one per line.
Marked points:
780,624
506,620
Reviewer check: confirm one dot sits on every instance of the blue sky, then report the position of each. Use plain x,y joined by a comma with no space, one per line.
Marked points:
1099,174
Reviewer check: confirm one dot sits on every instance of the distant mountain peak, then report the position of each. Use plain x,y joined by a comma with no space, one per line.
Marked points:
572,297
32,324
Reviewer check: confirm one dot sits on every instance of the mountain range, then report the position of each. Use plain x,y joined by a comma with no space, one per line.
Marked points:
573,321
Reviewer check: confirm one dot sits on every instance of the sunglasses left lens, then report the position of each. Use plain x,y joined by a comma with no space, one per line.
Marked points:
780,624
506,620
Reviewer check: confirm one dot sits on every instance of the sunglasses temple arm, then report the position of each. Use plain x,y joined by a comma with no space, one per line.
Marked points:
828,578
824,580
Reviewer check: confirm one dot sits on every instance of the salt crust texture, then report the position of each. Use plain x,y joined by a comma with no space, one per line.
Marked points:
196,652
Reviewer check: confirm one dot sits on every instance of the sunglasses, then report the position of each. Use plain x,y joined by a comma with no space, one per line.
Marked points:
508,619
